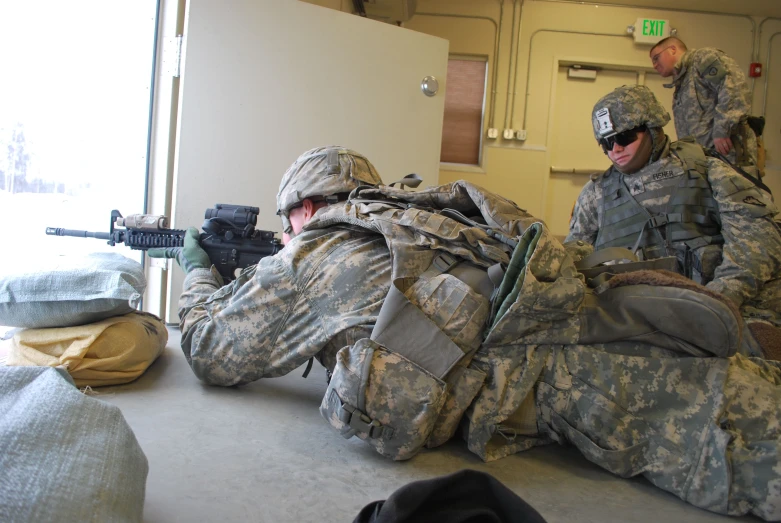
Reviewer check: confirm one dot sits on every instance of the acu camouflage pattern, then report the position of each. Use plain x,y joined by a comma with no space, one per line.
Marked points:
415,235
323,171
547,300
461,314
322,292
706,429
397,402
402,223
749,273
393,394
630,106
712,100
677,193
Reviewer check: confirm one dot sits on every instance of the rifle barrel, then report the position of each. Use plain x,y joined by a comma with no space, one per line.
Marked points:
59,231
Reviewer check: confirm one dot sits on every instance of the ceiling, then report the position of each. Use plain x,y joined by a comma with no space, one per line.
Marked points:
761,8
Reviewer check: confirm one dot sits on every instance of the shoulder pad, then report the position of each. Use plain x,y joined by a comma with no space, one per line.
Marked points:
711,68
596,176
691,154
685,140
688,149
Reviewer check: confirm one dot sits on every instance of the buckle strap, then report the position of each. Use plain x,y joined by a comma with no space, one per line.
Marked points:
308,367
658,221
678,217
605,255
444,262
499,236
700,241
441,264
359,421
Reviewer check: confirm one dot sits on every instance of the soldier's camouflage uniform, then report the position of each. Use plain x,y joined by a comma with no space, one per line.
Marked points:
712,100
750,270
716,223
556,363
320,293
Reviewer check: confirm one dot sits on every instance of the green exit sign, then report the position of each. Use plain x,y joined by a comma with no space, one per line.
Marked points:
651,30
653,27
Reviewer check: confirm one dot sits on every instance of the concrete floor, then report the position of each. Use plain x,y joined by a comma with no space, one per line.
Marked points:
262,453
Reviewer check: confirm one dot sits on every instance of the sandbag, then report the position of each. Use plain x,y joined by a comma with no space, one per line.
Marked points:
65,456
70,290
109,352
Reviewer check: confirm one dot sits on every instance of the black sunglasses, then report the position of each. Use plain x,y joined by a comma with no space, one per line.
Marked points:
622,139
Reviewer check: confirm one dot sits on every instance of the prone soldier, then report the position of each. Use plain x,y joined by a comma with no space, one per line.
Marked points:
452,311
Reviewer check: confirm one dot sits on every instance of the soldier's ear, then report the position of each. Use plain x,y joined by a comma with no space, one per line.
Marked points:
309,209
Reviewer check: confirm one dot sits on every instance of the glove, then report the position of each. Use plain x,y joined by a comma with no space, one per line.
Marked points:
189,257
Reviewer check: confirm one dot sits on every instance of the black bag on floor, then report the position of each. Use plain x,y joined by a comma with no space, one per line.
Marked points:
467,496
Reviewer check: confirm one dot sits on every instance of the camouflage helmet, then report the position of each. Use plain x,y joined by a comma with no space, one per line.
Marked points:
625,108
330,171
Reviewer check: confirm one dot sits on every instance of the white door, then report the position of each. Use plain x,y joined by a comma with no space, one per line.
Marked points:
265,80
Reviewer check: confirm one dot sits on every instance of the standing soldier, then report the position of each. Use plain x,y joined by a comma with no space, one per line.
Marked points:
711,101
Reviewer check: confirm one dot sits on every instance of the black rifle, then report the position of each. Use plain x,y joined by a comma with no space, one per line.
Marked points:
229,236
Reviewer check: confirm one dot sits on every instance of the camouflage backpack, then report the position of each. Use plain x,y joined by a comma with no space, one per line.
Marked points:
472,273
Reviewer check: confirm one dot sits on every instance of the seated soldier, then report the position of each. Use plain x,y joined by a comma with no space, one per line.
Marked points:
663,198
452,311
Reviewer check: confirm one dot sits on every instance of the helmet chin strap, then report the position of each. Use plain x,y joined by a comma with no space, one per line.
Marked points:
660,141
287,227
642,156
310,207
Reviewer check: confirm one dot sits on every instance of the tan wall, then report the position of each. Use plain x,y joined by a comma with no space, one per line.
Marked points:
771,33
340,5
555,111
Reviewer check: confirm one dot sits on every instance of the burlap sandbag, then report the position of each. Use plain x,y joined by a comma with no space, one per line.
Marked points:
108,352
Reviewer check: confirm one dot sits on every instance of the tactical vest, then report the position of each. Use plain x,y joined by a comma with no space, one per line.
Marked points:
689,227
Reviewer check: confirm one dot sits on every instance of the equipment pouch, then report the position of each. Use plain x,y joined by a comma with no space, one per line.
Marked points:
463,384
383,398
706,259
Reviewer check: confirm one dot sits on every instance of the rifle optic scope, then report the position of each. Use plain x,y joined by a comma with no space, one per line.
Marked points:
237,215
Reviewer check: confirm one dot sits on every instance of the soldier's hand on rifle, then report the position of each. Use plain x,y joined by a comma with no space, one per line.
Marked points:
189,257
723,145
